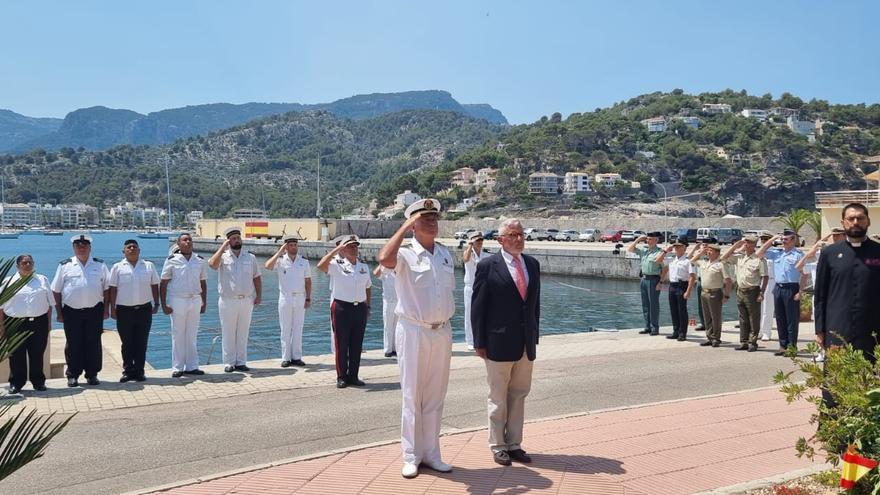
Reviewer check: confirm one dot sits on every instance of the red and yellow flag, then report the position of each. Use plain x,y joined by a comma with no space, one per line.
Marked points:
854,467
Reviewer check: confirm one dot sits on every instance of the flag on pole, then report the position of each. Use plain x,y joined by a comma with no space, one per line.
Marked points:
854,467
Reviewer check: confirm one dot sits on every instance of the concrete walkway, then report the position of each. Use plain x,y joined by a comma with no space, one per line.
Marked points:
678,447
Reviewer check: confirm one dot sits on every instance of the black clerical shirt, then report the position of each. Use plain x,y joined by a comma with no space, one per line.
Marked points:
847,294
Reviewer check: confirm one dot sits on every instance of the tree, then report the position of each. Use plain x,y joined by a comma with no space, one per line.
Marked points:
814,221
795,219
24,436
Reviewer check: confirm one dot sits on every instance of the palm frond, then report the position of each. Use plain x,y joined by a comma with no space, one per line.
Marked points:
9,287
24,437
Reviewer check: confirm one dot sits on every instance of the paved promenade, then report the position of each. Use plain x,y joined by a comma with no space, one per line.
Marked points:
678,447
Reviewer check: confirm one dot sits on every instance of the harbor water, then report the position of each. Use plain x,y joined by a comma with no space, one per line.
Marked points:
568,304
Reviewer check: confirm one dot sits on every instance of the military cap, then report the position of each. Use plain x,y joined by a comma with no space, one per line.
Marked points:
751,238
716,247
347,239
788,232
765,235
231,231
422,205
653,234
81,238
679,243
475,235
290,238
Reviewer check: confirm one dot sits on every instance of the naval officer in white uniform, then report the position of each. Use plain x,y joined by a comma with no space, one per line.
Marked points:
473,253
240,286
294,298
81,291
425,279
389,306
183,292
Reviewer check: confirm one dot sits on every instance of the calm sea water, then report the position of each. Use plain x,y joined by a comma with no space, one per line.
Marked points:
568,304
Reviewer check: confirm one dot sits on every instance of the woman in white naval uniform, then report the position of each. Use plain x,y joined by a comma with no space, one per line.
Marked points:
183,293
389,306
294,297
240,286
472,255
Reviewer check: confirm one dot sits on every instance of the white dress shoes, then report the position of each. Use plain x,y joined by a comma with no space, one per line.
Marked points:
410,470
439,466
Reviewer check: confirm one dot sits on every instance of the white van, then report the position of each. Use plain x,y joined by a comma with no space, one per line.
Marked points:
707,235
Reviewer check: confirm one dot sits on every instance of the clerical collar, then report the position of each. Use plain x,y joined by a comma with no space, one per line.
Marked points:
854,243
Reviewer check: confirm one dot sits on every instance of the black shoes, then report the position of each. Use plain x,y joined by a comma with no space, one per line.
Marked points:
753,347
743,347
125,378
285,364
340,383
140,378
700,328
716,343
177,374
673,336
297,362
93,380
354,382
780,352
645,332
194,372
655,333
241,367
502,457
15,390
682,338
72,382
391,354
40,388
519,455
706,343
229,369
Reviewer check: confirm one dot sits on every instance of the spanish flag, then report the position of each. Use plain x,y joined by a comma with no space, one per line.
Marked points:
854,467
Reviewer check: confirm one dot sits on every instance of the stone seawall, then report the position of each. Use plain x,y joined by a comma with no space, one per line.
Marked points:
566,259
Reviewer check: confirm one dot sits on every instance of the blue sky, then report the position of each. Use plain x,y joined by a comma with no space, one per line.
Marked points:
527,59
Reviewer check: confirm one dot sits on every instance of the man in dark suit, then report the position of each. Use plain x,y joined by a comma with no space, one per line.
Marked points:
504,316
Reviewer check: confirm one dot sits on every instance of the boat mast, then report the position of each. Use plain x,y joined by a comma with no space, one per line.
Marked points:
168,188
318,211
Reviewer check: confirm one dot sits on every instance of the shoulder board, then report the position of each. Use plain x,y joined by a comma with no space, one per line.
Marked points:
439,243
199,257
170,256
97,260
340,261
64,261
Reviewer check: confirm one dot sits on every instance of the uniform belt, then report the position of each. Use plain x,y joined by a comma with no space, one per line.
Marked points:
26,318
754,287
145,305
236,296
356,303
83,309
650,276
711,290
424,324
294,293
678,283
184,296
787,284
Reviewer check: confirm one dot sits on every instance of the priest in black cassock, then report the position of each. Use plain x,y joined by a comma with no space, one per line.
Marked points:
847,292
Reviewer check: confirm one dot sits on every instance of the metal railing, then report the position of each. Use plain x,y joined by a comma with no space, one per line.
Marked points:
829,199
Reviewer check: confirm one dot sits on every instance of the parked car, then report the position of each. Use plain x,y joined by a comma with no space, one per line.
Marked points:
463,234
611,236
707,235
589,235
666,235
491,234
685,235
535,234
631,235
567,235
551,234
729,236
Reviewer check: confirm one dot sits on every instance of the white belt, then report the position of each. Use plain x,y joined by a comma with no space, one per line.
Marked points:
424,324
184,296
236,296
294,293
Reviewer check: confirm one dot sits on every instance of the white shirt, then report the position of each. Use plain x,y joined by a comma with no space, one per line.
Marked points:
185,275
680,269
236,274
34,299
349,282
425,283
508,260
81,286
292,274
133,283
470,267
389,291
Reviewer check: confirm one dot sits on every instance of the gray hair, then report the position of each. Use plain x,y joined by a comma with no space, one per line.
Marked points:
502,229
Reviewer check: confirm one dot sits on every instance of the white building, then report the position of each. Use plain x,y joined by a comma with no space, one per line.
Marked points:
194,216
608,180
754,113
485,178
577,183
544,183
463,177
784,112
802,127
656,124
716,108
692,122
405,199
18,214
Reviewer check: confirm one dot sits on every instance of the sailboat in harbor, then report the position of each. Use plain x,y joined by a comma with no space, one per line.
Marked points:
4,234
163,234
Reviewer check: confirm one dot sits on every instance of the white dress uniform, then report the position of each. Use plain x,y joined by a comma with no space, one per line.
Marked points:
768,308
292,275
134,310
389,307
470,271
31,303
235,279
425,304
184,297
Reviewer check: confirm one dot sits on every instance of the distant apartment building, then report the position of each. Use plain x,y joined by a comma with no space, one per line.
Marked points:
802,127
783,112
716,108
544,183
656,124
17,214
405,199
608,180
463,177
485,178
635,184
577,183
194,216
692,122
70,216
754,113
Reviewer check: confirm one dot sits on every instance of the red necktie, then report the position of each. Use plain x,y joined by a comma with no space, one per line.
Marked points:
520,278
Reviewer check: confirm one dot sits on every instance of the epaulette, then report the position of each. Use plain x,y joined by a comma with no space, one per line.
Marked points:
64,261
199,257
438,242
97,260
340,261
170,256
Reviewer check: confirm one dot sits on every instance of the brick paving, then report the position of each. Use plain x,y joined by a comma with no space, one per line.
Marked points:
678,447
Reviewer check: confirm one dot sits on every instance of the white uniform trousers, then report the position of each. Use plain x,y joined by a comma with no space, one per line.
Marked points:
184,332
468,331
291,315
389,320
768,310
235,321
423,355
509,384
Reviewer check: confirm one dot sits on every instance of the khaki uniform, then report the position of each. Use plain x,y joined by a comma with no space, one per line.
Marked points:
712,275
750,270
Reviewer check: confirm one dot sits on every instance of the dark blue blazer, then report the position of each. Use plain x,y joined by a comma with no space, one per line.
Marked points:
502,322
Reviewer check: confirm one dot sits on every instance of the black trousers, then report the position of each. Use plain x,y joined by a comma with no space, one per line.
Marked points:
133,324
26,363
678,308
788,313
82,329
349,321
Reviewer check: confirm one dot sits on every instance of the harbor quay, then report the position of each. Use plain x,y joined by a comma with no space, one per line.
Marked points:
609,413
